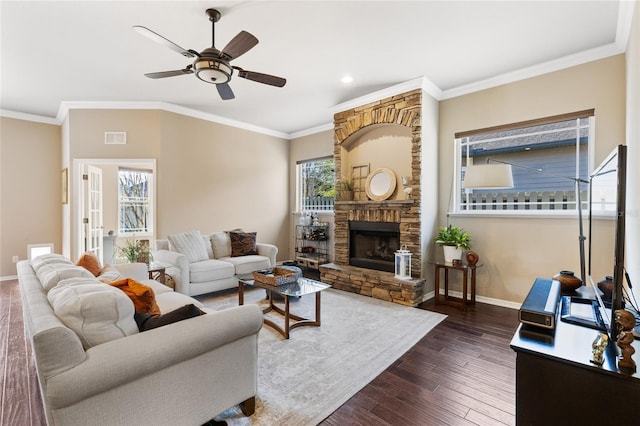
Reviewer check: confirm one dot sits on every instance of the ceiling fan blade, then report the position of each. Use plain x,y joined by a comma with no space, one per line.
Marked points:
262,78
225,92
163,41
163,74
239,45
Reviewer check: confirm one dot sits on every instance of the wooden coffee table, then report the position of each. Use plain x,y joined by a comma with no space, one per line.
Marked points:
301,287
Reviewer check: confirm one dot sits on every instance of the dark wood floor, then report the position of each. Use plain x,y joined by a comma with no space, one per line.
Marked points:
462,372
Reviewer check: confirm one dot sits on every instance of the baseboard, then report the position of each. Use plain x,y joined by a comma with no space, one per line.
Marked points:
481,299
9,278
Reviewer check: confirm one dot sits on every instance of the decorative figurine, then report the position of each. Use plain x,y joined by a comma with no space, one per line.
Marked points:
625,321
598,346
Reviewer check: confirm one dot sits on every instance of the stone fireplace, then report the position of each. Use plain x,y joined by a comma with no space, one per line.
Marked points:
382,226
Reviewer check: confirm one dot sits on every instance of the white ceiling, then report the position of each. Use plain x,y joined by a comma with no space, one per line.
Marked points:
55,54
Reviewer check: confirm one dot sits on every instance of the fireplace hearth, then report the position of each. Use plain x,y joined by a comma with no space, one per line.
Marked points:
373,245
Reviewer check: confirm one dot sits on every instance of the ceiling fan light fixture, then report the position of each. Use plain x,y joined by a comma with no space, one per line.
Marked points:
214,71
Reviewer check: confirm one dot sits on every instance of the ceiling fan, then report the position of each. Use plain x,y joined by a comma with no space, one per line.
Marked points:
213,65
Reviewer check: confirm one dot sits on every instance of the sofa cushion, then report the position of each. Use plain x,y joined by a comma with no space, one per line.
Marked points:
97,313
49,259
173,300
210,270
190,244
142,296
242,243
221,244
49,275
248,264
91,263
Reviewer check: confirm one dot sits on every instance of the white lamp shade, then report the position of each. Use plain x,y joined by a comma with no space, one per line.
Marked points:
488,176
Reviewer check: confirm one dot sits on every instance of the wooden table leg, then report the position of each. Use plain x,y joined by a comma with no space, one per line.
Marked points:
318,308
473,286
465,283
437,284
286,316
446,283
240,293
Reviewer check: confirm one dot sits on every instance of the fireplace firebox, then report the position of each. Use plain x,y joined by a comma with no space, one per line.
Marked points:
373,245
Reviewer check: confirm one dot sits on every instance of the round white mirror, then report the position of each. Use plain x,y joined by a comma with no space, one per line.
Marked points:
380,184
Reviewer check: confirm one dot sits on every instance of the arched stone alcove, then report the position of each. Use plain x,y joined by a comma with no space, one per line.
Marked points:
395,112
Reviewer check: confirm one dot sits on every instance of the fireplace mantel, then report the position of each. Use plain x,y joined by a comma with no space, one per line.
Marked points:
376,204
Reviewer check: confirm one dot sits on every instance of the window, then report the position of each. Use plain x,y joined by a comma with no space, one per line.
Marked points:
134,203
316,184
546,157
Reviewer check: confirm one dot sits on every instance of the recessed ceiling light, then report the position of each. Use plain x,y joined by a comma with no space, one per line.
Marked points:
347,79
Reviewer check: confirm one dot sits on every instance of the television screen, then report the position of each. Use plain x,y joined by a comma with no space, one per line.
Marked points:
607,192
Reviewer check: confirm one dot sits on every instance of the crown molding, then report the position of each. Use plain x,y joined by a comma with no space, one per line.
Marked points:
417,83
535,70
311,131
28,117
65,106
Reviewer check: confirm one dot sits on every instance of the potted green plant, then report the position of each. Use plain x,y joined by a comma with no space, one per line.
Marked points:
453,241
134,251
345,191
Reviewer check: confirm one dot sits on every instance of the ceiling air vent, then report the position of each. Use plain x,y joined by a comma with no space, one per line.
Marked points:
115,138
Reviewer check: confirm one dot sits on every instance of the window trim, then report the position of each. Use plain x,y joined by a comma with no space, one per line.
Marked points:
453,209
299,195
150,205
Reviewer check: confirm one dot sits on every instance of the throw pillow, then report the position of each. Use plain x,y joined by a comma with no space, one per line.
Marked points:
147,322
109,274
242,243
221,244
142,296
90,262
97,313
190,244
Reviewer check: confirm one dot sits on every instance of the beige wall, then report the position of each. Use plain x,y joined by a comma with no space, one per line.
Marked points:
30,193
210,177
633,153
213,177
305,148
516,250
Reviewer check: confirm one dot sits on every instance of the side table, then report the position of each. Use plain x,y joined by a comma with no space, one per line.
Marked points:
157,272
468,279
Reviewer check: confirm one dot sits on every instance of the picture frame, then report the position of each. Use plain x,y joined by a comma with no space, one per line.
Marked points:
65,185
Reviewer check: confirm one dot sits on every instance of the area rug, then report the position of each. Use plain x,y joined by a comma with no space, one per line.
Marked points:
303,380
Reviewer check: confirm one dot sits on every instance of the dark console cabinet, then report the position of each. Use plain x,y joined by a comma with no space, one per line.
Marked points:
556,384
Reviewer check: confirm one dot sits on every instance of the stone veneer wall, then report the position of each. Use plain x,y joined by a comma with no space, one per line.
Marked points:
405,110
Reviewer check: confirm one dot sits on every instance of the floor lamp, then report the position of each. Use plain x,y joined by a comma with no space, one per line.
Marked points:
499,176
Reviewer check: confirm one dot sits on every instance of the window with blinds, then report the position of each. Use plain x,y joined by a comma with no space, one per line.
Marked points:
547,156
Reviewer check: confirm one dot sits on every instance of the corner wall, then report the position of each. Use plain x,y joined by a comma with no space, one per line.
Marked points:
514,250
30,189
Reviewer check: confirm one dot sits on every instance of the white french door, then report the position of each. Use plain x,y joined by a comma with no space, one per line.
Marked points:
92,211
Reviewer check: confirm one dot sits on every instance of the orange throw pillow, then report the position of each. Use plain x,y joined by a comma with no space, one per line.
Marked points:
142,296
91,263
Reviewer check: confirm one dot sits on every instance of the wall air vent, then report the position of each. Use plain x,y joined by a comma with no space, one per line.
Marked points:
115,138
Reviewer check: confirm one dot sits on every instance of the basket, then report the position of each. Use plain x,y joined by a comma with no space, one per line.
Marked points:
278,276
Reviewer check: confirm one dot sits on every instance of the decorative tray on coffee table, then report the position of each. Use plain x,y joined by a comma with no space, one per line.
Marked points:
277,275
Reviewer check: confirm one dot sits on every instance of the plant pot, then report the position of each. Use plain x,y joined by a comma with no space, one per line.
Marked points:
346,195
451,253
568,281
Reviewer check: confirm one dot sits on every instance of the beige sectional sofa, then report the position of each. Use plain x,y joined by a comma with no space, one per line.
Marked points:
95,368
204,263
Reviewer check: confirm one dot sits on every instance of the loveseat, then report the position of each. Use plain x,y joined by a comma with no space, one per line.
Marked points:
206,263
104,371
